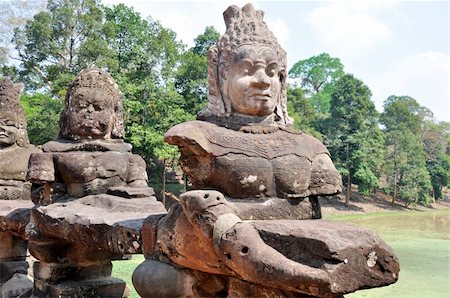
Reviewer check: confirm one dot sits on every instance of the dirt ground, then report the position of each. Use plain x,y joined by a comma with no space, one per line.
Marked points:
378,202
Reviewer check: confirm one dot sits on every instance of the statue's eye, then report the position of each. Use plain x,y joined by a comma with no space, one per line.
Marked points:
272,70
98,107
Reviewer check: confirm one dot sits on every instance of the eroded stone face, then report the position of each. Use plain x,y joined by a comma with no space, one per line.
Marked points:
91,113
253,84
12,118
9,130
93,108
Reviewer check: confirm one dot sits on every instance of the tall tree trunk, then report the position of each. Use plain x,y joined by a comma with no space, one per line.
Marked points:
349,179
394,197
164,183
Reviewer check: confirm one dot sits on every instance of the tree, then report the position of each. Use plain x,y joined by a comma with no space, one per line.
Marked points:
42,113
204,41
143,58
57,43
302,111
317,76
191,79
14,14
405,165
352,134
140,54
435,138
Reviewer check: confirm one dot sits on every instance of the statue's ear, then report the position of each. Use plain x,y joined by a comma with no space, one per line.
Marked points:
117,130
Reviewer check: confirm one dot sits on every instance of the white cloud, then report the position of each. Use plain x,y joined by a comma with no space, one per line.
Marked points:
281,31
349,28
424,76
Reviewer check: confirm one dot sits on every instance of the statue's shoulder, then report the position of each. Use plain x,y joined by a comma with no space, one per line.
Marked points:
191,135
307,144
87,145
201,137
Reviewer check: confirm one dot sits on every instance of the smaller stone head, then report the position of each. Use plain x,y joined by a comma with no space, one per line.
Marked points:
13,124
93,108
247,69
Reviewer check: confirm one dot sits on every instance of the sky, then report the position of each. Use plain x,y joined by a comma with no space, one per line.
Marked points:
394,47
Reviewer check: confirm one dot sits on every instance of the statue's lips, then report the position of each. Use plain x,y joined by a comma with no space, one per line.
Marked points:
4,135
261,96
94,127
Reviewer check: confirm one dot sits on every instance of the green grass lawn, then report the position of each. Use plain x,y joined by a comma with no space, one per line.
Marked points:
420,239
124,270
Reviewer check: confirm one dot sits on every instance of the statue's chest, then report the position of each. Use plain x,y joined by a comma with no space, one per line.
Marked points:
86,166
14,164
267,146
287,175
243,176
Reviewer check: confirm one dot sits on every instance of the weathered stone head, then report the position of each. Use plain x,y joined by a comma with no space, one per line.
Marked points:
13,124
93,108
247,70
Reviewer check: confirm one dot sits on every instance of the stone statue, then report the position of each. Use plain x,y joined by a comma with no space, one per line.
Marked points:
245,146
92,192
90,157
15,203
243,237
15,148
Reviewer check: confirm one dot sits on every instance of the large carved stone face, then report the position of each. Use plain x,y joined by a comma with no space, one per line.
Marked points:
253,81
9,129
91,113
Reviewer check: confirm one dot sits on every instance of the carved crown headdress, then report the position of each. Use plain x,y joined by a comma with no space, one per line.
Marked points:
94,78
245,26
97,79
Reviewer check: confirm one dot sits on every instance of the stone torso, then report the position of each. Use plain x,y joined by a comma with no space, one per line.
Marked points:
76,171
13,172
281,163
14,162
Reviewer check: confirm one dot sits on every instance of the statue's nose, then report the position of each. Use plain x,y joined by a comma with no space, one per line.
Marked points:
261,79
90,108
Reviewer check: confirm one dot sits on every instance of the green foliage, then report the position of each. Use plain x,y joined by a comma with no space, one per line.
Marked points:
42,113
191,79
405,161
435,138
301,109
352,134
57,43
142,58
14,14
317,76
205,40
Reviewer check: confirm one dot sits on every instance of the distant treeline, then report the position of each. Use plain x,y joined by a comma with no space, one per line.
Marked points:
402,151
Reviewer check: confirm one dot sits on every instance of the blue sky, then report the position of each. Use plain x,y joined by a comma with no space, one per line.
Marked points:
395,47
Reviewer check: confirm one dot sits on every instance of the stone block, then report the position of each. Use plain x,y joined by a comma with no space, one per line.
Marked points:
103,287
20,285
9,268
55,272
